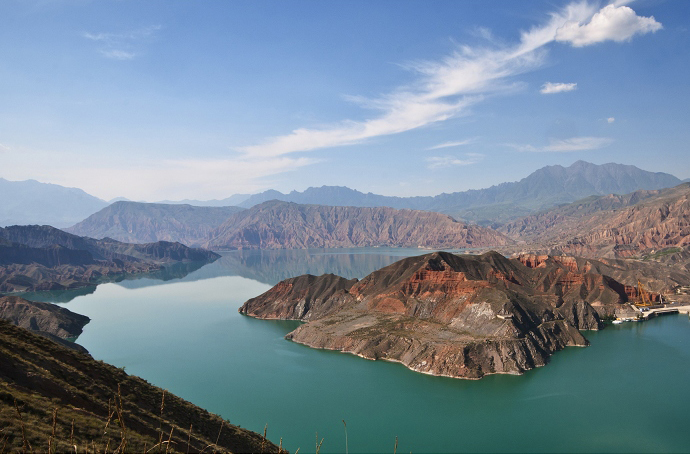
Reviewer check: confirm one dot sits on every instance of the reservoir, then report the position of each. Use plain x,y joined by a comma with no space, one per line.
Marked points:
180,330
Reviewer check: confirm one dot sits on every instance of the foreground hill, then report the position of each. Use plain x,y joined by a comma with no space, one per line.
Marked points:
546,187
135,222
283,225
458,316
53,399
45,258
31,202
636,224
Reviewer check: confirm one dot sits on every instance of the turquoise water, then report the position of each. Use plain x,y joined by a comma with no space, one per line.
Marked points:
628,392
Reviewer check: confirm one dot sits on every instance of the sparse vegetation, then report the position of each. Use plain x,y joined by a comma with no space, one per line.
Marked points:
53,399
664,252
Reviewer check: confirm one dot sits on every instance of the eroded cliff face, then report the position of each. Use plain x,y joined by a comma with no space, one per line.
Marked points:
282,225
444,314
633,225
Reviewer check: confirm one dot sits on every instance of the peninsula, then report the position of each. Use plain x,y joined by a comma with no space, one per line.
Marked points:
460,316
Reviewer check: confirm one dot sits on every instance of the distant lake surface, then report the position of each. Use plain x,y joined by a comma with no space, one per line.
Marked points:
628,392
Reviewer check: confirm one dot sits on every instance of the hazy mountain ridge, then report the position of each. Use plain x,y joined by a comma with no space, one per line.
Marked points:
31,202
546,187
137,222
286,225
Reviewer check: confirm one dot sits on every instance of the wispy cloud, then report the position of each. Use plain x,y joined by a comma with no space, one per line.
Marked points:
122,46
550,88
4,147
447,88
610,120
436,162
453,144
567,145
118,54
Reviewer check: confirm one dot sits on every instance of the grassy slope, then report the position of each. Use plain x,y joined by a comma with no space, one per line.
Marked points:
98,407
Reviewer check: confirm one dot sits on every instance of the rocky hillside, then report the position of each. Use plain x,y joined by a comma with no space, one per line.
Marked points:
134,222
53,399
637,224
283,225
45,258
546,187
460,316
42,317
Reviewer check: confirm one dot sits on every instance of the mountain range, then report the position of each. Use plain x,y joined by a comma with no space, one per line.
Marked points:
546,187
31,202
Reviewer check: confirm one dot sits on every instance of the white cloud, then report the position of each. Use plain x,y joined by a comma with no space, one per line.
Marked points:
613,22
4,147
121,46
610,120
447,88
453,144
550,88
567,145
436,162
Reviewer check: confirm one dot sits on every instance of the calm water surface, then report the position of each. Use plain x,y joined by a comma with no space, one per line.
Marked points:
628,392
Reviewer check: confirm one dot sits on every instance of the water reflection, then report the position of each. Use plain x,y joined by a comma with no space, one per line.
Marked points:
264,266
271,267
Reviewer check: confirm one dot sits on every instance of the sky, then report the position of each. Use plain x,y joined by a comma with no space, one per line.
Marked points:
180,99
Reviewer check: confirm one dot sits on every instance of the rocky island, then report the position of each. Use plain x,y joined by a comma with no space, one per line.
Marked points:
460,316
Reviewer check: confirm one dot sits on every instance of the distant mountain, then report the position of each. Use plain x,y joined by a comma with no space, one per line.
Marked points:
637,224
233,200
45,258
285,225
137,222
31,202
547,187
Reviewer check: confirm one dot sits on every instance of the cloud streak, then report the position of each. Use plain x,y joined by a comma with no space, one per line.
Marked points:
121,46
447,88
459,143
550,88
438,162
567,145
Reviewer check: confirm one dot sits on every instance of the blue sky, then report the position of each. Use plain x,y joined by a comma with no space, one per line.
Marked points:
180,99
